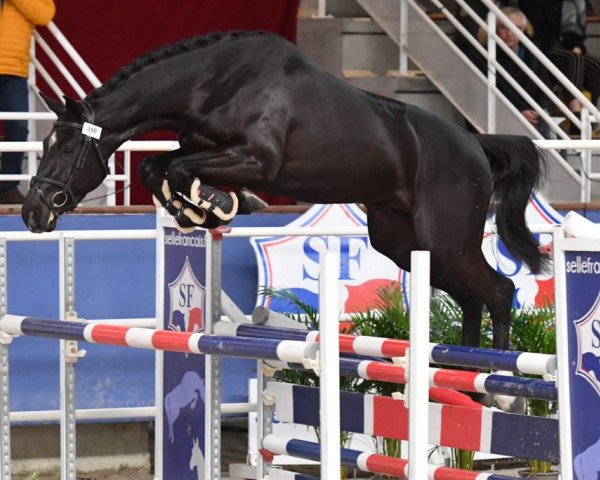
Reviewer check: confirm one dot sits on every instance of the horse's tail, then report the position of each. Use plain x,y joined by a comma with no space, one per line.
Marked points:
517,169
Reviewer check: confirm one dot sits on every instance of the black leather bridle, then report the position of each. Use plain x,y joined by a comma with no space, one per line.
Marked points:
64,196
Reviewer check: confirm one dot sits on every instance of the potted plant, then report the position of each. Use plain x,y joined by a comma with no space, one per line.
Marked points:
533,330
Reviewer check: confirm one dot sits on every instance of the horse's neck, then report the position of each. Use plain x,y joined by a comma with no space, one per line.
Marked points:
125,113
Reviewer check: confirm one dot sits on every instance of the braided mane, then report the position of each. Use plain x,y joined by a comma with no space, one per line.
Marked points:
167,51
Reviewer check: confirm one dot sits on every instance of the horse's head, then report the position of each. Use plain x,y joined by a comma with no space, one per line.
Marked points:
72,165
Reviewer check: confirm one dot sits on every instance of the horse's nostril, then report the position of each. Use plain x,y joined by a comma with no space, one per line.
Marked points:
32,218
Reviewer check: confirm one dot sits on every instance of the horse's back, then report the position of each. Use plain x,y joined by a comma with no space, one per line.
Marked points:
315,131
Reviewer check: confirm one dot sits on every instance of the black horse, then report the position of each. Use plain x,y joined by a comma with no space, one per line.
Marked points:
251,111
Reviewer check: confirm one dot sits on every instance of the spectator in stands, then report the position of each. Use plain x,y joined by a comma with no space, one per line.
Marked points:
18,18
560,32
518,18
471,25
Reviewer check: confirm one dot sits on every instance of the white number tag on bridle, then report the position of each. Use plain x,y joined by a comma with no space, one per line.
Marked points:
91,130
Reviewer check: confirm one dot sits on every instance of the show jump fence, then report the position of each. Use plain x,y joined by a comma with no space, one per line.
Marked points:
576,261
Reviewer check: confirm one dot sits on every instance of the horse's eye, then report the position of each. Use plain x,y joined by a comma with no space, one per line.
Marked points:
68,150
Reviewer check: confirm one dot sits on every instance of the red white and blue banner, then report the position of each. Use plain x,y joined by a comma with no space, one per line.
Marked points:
477,429
184,386
292,263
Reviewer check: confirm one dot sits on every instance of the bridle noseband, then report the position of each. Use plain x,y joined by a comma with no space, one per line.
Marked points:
91,135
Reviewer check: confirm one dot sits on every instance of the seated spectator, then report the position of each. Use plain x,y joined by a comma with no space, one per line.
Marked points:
518,18
560,32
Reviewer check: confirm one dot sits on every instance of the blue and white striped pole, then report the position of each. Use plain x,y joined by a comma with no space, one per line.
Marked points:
371,462
453,355
199,343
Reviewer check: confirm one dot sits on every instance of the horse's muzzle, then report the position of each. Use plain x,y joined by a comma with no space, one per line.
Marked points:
36,215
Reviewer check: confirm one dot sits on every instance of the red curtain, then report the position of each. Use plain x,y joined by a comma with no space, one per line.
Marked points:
108,35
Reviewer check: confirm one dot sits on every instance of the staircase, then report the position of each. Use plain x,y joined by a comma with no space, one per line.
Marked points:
359,43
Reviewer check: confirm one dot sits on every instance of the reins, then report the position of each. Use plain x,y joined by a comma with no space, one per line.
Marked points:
91,135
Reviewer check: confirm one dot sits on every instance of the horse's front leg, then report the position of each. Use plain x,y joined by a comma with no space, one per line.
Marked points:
225,166
151,172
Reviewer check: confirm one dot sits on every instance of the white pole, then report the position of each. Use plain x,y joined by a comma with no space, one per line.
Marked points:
403,39
322,9
159,359
586,156
491,76
329,367
418,385
92,78
31,124
562,353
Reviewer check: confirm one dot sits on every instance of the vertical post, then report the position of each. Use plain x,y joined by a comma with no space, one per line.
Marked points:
321,9
67,363
111,185
127,172
586,156
5,457
31,124
403,38
212,439
159,354
418,395
264,418
562,355
329,353
491,76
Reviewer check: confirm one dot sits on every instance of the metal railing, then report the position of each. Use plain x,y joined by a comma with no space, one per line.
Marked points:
34,148
589,113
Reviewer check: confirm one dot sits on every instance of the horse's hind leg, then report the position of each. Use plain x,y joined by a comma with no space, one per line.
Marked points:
472,282
472,287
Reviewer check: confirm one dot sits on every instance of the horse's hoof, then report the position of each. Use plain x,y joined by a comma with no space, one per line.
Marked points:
511,404
250,202
223,205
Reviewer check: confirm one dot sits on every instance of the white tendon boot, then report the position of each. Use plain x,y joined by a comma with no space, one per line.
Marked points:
188,212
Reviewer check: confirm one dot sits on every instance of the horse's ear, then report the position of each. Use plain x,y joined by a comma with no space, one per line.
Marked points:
72,105
54,105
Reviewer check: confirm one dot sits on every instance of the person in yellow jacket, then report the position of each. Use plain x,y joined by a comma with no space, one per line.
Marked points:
18,18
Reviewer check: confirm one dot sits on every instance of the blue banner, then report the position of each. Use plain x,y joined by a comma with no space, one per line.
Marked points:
183,382
583,304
